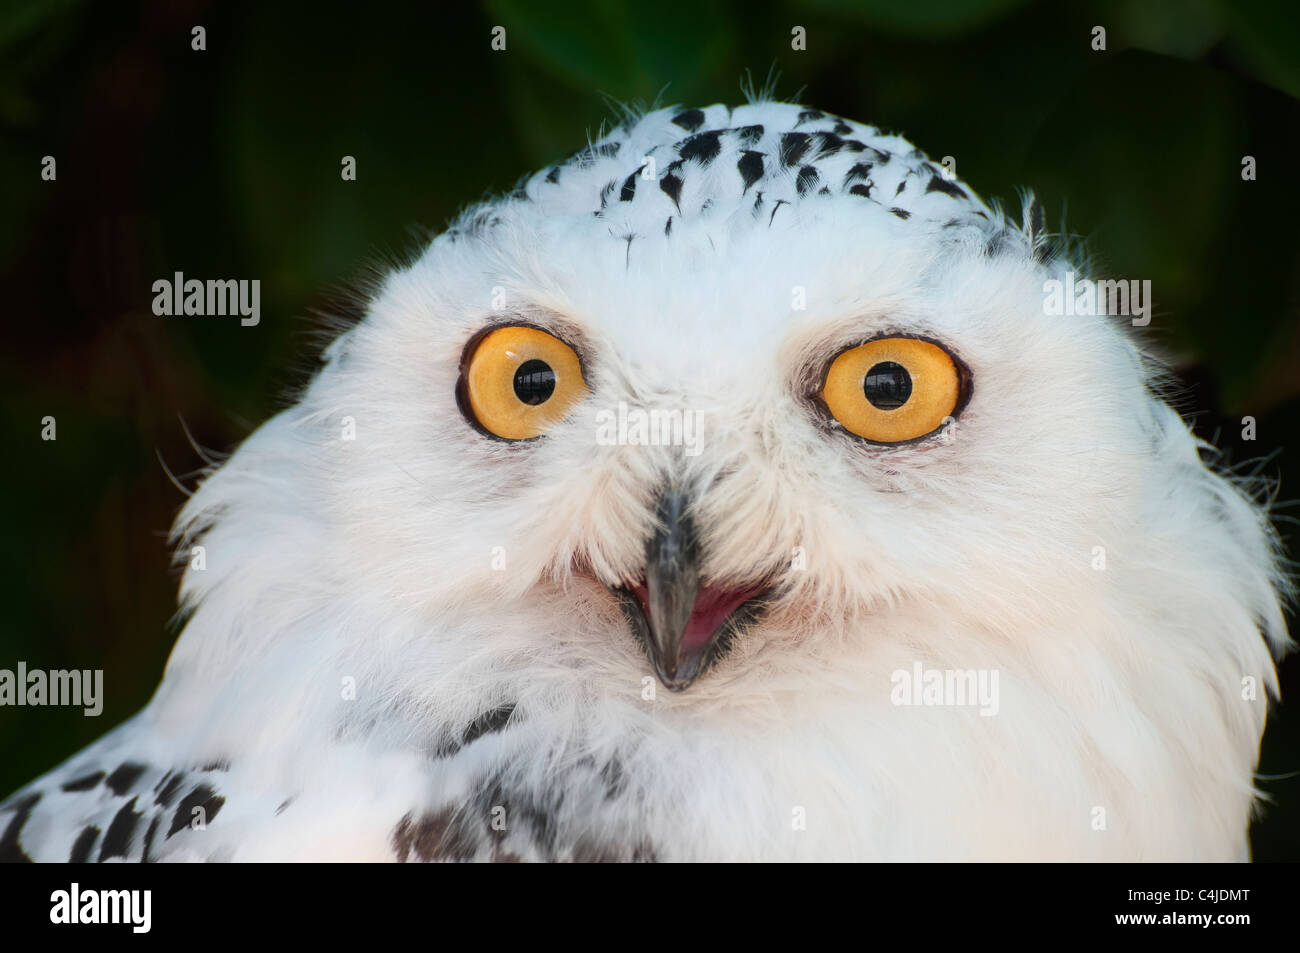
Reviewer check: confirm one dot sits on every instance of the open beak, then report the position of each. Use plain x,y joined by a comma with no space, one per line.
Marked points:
684,624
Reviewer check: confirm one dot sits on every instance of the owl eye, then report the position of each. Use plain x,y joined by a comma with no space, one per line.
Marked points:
517,381
892,390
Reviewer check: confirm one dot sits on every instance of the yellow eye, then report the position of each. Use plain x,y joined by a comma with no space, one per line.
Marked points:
893,389
515,382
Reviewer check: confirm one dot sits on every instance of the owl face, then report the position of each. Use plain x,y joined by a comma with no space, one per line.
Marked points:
745,408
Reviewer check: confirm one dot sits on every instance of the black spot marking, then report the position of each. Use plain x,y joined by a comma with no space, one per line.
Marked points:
201,797
483,220
82,846
863,190
853,145
779,203
690,119
525,812
467,832
860,171
901,213
117,840
439,836
519,195
148,840
750,167
750,134
939,184
828,143
553,176
221,764
11,850
169,790
668,225
85,784
488,723
121,780
629,187
806,115
703,146
997,244
842,127
607,190
901,185
808,178
614,777
793,146
283,804
758,203
824,190
671,186
495,720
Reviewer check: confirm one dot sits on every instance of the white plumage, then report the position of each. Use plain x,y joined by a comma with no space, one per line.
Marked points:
500,710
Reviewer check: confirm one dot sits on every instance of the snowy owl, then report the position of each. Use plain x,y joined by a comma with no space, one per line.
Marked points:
727,491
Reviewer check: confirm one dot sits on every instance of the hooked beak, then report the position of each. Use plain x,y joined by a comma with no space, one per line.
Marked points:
684,624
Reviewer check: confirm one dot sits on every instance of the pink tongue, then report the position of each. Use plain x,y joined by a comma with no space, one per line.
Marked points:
712,607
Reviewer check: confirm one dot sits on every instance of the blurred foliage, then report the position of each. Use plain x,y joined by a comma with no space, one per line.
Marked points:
226,163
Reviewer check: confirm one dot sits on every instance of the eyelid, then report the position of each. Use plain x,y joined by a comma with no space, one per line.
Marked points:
817,380
556,325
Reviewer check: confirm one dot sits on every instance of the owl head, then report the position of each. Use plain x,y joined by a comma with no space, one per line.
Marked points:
754,403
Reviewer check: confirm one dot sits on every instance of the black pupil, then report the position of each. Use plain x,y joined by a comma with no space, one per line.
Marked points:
887,385
534,382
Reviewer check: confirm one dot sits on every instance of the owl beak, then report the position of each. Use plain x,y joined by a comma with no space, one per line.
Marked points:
672,585
684,624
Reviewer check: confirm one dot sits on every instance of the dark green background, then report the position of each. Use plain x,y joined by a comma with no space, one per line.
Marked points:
225,163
